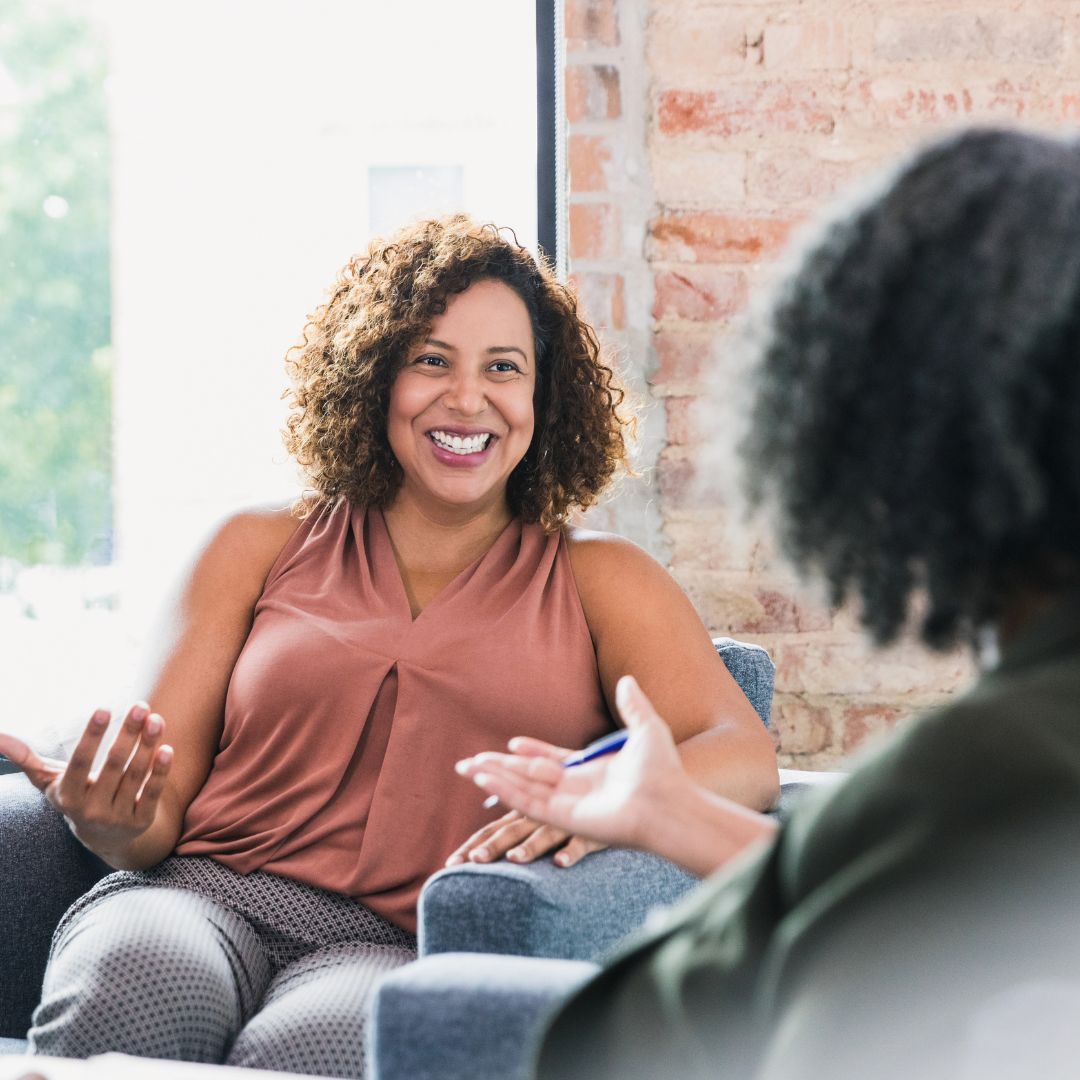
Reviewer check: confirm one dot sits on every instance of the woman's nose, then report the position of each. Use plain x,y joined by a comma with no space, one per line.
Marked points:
465,394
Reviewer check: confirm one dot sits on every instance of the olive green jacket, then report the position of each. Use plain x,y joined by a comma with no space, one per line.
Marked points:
920,919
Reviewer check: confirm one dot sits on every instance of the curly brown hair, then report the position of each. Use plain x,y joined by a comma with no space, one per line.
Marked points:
383,304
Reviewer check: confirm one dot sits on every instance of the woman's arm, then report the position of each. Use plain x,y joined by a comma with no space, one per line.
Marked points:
187,677
643,625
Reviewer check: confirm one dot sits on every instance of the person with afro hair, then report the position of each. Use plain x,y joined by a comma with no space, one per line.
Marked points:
916,434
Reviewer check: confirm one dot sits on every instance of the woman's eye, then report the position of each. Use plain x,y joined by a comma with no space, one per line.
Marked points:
504,367
430,361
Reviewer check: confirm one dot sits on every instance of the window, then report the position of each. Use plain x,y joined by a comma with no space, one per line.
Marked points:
178,186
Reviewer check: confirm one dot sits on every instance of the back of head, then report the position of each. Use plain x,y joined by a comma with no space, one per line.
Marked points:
917,420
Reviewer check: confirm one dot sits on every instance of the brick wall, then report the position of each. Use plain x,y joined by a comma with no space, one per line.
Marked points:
700,133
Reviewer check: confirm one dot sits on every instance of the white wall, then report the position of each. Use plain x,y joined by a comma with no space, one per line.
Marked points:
242,135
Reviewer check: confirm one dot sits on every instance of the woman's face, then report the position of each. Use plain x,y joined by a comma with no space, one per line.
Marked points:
461,407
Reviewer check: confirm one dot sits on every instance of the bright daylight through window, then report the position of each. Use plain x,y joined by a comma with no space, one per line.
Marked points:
178,186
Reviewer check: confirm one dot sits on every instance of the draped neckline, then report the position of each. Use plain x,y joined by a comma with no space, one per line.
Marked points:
491,565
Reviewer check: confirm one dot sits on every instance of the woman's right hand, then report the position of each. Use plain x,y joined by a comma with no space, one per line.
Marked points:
109,809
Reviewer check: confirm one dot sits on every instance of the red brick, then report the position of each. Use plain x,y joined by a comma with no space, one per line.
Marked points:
695,47
590,163
803,728
590,23
852,667
602,298
594,231
950,36
680,484
723,238
860,722
709,539
791,176
743,604
960,36
900,103
675,477
592,93
681,425
682,357
740,108
818,45
698,293
693,176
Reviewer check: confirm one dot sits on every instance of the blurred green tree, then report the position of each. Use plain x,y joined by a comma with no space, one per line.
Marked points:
55,378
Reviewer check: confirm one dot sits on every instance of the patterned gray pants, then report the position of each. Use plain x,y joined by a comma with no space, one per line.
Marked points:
194,962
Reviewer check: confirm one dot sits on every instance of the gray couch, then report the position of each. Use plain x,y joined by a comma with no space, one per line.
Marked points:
498,943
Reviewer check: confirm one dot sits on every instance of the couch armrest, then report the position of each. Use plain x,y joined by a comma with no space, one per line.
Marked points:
540,909
753,669
43,869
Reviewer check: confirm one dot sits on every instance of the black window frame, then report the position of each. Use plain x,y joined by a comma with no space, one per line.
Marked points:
550,135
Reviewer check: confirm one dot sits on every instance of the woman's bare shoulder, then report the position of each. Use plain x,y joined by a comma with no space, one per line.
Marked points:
243,546
605,565
589,546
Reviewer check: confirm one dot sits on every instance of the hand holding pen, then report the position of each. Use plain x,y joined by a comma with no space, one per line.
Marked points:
609,744
606,796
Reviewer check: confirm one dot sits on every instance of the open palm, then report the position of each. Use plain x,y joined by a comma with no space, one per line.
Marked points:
610,799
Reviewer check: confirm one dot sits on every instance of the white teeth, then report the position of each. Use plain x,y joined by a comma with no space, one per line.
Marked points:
456,444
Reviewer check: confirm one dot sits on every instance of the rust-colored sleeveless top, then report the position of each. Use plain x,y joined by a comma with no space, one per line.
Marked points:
344,716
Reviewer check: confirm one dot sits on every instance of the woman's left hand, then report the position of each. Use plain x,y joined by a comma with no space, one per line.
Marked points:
520,839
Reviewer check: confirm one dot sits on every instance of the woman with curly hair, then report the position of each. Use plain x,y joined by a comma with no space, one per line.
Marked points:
330,662
917,431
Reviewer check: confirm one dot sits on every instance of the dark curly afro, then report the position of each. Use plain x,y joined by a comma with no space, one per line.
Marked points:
917,419
383,304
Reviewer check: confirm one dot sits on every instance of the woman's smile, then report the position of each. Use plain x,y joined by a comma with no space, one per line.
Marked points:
458,448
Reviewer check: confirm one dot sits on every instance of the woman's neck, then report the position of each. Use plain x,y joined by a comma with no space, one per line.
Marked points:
442,542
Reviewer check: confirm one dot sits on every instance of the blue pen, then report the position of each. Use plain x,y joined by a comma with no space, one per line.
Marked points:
609,744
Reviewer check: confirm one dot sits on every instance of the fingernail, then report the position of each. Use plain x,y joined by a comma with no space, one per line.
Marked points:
481,854
462,766
165,755
624,692
562,859
514,743
454,860
515,854
100,719
138,712
153,725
